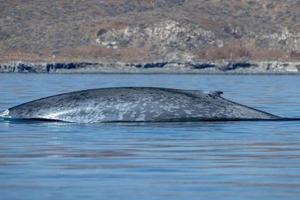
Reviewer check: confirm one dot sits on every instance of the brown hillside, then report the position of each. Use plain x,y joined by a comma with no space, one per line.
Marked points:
138,30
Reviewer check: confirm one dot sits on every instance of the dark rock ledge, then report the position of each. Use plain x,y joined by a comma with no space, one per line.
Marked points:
153,67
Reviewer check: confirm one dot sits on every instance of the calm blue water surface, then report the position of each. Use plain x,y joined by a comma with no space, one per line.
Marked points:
140,161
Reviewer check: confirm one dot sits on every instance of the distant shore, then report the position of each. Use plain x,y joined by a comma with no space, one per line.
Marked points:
201,67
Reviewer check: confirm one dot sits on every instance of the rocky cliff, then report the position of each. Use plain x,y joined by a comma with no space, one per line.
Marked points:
135,35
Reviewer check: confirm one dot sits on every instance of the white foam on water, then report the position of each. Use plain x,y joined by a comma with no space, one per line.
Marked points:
4,113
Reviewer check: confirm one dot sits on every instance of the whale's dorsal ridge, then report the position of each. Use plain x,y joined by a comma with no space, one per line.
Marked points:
200,93
195,93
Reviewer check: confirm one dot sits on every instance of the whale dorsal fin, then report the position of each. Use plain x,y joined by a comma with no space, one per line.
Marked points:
215,93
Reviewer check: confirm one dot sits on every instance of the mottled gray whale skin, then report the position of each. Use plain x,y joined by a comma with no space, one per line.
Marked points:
136,104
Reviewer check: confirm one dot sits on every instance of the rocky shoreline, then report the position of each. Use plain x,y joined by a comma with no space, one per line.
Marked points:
201,67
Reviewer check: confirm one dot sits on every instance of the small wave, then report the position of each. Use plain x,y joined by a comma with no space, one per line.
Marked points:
4,114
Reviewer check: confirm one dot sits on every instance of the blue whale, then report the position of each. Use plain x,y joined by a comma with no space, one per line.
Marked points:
136,104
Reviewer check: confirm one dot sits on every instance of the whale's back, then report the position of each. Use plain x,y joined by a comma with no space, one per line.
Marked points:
135,104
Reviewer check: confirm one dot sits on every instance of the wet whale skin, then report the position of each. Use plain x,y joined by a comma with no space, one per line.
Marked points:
136,104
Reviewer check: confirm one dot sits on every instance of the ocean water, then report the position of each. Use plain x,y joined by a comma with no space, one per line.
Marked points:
199,160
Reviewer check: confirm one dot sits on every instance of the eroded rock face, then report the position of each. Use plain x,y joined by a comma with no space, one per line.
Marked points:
171,39
283,39
162,37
